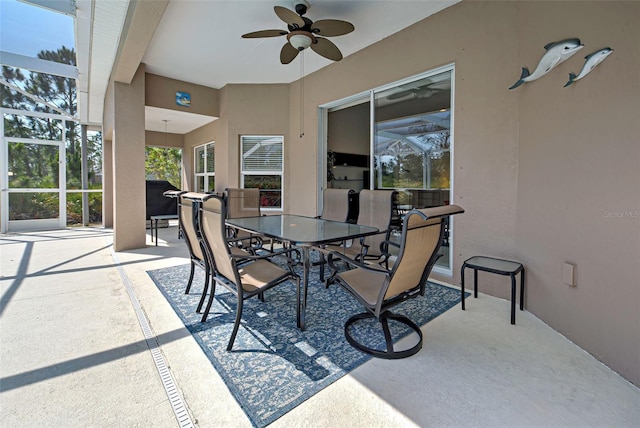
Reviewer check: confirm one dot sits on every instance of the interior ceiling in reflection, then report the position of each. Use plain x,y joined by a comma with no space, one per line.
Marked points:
423,134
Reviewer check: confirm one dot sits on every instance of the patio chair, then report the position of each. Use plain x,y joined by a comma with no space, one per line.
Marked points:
378,289
375,209
335,204
244,203
189,221
252,278
176,194
335,207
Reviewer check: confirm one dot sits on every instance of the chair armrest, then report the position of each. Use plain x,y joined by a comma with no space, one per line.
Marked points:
384,246
384,251
352,262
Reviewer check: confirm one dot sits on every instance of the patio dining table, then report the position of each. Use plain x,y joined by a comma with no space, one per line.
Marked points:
304,233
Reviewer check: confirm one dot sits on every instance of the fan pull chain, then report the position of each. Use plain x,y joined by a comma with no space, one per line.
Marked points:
301,94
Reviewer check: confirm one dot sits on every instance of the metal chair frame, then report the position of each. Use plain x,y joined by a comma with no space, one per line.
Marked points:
393,289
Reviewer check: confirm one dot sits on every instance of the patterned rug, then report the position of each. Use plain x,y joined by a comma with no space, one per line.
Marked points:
274,366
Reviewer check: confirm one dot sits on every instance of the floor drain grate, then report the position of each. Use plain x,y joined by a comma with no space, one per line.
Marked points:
175,398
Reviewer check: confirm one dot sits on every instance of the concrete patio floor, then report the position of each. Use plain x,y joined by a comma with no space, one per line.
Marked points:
73,353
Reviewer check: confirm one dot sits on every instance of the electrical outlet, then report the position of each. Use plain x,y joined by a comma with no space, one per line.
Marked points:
569,274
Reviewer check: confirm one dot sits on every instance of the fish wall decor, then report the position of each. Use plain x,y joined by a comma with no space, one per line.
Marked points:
590,63
556,53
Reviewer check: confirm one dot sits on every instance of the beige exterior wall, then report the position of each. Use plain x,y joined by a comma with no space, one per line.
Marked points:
161,92
546,174
107,183
198,137
579,183
128,164
244,110
162,139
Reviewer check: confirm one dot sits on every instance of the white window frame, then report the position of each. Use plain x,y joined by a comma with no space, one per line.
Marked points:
205,174
244,172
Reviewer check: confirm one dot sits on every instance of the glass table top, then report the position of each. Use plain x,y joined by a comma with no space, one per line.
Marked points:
301,230
490,263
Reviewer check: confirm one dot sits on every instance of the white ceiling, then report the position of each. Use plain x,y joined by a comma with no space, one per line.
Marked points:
177,122
200,42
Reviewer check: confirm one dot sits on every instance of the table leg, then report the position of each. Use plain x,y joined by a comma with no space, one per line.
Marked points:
462,286
475,283
156,232
302,296
522,290
513,299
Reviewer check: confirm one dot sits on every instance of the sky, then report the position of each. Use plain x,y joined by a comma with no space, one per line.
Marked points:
26,29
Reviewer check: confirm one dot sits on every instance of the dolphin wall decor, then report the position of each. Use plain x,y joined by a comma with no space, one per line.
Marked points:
556,53
592,60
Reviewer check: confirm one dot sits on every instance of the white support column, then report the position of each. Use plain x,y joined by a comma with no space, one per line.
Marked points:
4,178
62,175
85,176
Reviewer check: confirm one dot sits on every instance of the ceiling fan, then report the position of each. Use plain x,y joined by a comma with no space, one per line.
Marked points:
422,91
304,33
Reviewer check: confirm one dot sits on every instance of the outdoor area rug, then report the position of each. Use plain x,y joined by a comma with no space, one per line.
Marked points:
274,366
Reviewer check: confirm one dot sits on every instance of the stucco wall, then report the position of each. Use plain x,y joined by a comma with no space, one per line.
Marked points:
244,110
546,174
129,210
161,92
163,139
579,181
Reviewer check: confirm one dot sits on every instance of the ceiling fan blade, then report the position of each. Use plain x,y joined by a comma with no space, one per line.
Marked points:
264,33
331,27
288,53
327,49
289,16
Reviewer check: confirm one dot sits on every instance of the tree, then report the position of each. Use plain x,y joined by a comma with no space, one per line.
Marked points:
28,160
36,165
164,164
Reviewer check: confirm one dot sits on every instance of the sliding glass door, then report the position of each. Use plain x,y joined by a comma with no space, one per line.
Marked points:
406,130
411,145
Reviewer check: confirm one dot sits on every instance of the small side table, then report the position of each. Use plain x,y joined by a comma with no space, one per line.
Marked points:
154,224
500,267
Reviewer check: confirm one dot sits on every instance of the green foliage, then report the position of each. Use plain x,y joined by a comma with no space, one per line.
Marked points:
406,172
74,208
270,188
37,165
164,164
27,206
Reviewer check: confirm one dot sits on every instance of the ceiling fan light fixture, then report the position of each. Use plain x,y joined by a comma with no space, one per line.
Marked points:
304,33
300,40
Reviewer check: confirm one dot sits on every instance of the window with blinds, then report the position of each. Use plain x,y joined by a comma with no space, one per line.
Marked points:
262,166
204,167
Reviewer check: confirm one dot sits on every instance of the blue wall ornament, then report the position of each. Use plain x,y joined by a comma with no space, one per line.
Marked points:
183,99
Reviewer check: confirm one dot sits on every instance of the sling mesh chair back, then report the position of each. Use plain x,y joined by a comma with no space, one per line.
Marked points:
335,204
176,194
375,210
242,203
189,221
335,207
378,289
253,277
